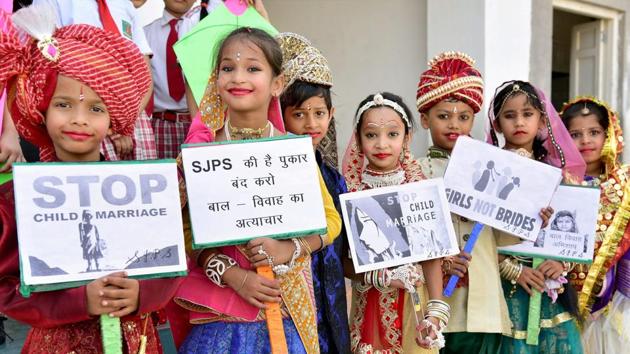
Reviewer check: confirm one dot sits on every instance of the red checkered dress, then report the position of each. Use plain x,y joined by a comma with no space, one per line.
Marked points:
169,136
144,147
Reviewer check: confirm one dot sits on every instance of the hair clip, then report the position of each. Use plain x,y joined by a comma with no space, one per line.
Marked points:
585,111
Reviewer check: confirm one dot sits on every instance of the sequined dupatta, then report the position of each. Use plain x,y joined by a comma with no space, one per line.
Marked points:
614,213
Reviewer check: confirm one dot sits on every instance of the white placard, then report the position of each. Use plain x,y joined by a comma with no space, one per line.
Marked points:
499,188
396,225
253,188
570,235
81,221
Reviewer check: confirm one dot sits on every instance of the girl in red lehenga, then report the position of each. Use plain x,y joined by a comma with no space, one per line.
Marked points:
382,316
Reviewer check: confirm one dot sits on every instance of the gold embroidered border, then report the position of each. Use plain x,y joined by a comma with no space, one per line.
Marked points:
544,323
598,269
297,293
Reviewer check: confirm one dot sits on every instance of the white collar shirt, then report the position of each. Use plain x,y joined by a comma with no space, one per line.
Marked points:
71,12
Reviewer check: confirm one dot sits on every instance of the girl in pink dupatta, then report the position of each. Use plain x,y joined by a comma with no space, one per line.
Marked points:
223,293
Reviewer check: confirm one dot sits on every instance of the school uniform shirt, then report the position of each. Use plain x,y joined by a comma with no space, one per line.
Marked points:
169,135
194,15
86,11
157,33
479,305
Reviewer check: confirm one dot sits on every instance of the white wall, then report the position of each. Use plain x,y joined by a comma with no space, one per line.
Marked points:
371,45
496,34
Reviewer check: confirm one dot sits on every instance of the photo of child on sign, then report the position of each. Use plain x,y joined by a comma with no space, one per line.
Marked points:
570,234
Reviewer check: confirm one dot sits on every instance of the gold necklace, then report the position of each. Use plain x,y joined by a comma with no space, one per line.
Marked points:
245,133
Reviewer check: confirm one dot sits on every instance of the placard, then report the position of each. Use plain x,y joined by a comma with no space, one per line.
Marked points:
570,235
80,221
245,189
499,188
396,225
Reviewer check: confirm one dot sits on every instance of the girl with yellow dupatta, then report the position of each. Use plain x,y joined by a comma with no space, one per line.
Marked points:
604,286
223,293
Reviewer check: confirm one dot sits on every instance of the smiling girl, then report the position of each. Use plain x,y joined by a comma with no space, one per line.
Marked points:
604,294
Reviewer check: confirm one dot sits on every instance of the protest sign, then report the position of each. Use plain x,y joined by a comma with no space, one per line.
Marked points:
81,221
499,188
245,189
570,235
395,225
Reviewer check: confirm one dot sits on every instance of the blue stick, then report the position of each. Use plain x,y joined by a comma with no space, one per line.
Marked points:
450,286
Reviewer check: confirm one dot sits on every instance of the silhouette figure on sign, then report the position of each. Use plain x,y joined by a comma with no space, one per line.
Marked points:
487,175
90,241
505,192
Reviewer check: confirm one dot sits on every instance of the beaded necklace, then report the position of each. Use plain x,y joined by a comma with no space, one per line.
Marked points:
378,179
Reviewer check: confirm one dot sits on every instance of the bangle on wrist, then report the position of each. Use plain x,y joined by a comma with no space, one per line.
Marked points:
243,282
216,267
282,269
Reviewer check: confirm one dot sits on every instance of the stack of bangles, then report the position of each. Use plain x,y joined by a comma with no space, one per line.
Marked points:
441,311
378,279
381,279
510,269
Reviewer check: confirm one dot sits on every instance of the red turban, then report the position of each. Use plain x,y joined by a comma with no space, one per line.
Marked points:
451,75
106,62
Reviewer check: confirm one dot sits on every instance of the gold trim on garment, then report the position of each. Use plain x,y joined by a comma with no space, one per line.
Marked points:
544,323
298,296
601,263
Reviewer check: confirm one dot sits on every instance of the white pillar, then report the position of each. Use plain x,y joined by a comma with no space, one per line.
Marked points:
497,34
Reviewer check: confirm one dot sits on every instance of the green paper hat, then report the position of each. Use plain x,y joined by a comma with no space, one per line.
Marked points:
197,50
